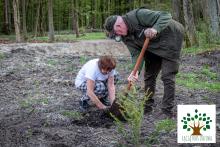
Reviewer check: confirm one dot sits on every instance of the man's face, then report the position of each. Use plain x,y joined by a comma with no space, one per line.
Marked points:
120,28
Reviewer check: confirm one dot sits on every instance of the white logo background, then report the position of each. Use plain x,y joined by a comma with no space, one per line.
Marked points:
208,136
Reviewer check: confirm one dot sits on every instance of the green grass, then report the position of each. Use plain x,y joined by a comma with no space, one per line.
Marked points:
166,125
206,42
27,103
72,37
70,68
196,50
87,36
72,114
63,37
208,73
52,62
206,80
2,56
83,60
7,37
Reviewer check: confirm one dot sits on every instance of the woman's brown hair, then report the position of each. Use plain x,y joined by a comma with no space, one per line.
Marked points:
107,62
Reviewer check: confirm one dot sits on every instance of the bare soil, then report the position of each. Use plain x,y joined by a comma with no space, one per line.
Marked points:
39,103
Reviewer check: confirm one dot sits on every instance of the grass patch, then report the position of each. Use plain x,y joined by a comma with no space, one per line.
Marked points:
83,60
206,79
2,56
208,100
60,37
72,114
196,50
208,73
165,125
52,62
31,102
162,126
8,37
87,36
72,37
71,68
206,41
193,81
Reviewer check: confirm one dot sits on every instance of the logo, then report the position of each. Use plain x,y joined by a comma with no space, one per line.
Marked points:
196,123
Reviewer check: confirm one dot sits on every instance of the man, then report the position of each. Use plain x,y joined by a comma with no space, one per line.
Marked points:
163,53
96,82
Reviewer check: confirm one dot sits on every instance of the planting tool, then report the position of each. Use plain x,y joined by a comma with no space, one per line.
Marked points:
139,60
115,109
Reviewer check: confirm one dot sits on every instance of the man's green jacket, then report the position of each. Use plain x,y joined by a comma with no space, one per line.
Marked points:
166,44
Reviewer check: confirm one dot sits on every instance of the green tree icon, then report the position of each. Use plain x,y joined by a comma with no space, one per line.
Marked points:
202,120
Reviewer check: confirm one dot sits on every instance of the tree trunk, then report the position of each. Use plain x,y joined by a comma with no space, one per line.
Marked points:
75,17
50,18
189,22
196,129
214,17
5,28
37,18
93,14
43,21
10,16
205,10
17,20
177,8
197,10
24,26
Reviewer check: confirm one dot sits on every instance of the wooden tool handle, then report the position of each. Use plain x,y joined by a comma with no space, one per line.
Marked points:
139,60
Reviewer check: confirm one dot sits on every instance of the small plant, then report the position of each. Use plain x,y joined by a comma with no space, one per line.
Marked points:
24,104
133,111
29,132
52,62
128,67
72,114
208,100
2,56
83,60
71,68
166,125
37,83
208,73
82,30
28,103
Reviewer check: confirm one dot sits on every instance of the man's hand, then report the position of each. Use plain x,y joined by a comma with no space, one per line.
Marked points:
133,78
150,33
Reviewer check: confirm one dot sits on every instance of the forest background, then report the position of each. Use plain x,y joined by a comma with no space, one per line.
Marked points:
27,20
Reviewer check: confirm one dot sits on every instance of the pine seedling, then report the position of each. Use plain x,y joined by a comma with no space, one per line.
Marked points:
132,105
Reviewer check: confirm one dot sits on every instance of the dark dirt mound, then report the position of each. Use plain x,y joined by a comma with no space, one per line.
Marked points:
95,119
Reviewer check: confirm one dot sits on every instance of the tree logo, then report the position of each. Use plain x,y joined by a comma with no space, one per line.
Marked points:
196,124
202,121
